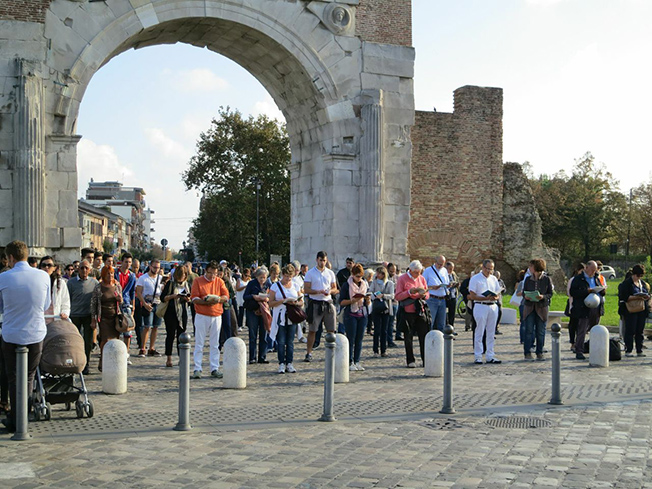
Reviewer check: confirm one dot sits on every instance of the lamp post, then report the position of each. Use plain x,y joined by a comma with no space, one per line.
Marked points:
257,217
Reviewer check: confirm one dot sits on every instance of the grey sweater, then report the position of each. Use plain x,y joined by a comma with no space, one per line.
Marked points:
80,296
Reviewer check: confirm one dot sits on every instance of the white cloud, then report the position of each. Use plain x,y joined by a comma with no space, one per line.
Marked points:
269,108
99,162
197,80
166,146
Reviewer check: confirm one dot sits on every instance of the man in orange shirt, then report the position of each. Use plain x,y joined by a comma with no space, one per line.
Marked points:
208,294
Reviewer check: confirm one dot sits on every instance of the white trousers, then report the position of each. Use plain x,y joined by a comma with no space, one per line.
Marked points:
207,326
300,331
485,319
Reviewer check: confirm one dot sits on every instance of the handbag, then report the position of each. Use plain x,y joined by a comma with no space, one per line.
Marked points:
293,312
163,306
123,322
637,305
379,306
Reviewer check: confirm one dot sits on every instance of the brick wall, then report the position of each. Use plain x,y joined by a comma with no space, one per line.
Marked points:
24,10
385,21
456,201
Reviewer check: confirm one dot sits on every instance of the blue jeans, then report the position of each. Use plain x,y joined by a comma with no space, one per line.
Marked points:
534,327
285,340
256,331
391,323
355,328
381,322
438,311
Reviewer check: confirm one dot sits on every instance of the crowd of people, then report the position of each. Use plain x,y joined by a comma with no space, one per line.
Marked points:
282,306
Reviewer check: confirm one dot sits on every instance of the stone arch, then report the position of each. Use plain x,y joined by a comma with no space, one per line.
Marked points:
347,99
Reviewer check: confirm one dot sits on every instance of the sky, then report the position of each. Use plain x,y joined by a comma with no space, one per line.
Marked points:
575,76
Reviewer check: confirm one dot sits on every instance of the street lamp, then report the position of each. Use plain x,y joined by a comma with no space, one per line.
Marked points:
257,217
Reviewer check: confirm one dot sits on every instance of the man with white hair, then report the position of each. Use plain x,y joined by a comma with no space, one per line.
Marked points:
411,292
586,283
436,277
484,291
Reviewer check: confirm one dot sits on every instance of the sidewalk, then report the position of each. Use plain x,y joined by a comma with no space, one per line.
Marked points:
388,434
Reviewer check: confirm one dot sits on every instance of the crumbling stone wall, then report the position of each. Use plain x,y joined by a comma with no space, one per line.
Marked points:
522,226
24,10
385,21
456,202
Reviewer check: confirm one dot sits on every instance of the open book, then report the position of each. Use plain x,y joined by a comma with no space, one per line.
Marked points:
489,293
533,295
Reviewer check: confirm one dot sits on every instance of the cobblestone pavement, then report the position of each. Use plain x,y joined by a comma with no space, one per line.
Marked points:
388,434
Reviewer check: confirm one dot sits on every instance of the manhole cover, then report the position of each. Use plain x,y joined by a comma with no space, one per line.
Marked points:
522,422
442,424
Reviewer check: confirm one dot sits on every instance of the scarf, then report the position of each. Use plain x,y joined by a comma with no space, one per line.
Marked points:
179,306
355,289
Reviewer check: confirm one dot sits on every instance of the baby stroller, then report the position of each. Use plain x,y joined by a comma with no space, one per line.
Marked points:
62,359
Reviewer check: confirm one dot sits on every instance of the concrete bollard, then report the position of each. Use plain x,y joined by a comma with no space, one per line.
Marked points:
434,354
22,393
599,347
447,405
329,379
235,364
555,333
183,423
341,359
114,367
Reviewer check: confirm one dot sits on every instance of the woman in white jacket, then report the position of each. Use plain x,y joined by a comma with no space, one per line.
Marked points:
60,305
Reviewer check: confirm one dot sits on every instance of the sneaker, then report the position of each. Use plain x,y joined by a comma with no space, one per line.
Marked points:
540,356
399,338
129,362
303,339
384,355
153,353
196,374
375,354
528,356
494,361
359,367
308,357
640,354
411,365
281,368
353,368
629,354
217,374
315,347
142,354
498,332
262,360
478,362
392,345
290,369
251,362
580,356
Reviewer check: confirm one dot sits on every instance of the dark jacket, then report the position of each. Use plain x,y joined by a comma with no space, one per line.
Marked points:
579,291
253,288
544,286
625,290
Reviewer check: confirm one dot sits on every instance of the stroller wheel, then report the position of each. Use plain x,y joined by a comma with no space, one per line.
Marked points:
47,412
37,413
88,409
79,409
68,406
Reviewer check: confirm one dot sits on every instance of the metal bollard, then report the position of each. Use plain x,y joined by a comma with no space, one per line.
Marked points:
329,379
447,408
184,383
22,392
556,364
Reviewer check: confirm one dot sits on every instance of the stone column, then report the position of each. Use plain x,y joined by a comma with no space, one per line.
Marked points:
29,156
372,223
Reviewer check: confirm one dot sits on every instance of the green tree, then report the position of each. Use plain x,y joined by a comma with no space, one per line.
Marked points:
234,156
582,213
641,219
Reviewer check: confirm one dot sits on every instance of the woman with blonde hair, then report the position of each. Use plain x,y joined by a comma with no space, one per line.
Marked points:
281,294
177,317
354,299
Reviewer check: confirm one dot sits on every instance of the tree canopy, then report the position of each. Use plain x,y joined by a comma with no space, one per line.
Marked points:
234,156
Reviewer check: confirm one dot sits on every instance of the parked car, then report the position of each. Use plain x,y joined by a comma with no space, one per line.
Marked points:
608,272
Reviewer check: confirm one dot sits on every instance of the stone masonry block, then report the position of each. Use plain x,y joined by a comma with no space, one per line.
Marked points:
6,180
72,237
53,237
382,82
387,66
389,51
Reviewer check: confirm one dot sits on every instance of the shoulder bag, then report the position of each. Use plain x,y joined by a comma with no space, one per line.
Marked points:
635,306
293,312
123,322
379,306
163,306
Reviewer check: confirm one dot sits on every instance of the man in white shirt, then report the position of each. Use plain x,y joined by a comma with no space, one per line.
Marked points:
148,292
484,291
437,279
24,298
319,283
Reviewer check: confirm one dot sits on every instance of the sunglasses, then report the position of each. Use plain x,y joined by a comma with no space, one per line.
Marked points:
47,265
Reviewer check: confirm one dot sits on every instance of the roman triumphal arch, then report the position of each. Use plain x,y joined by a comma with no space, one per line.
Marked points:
340,70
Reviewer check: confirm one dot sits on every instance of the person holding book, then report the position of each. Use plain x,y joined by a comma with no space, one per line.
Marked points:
484,291
537,292
355,299
635,294
411,293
